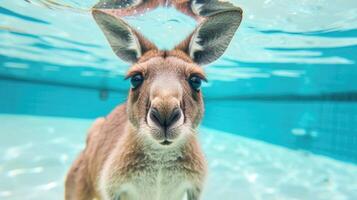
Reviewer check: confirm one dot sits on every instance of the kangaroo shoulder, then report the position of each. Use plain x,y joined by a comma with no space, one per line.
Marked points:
95,129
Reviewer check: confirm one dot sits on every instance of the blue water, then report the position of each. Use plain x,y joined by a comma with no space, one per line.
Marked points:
287,80
33,165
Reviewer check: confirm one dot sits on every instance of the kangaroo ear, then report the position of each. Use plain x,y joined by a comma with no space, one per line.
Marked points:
212,37
126,43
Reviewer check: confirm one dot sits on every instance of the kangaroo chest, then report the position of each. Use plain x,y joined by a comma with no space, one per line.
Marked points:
157,182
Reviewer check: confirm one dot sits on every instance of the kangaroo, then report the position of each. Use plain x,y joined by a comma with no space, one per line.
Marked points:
147,148
198,9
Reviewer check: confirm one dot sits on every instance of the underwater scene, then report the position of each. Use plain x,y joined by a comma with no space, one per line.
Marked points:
280,118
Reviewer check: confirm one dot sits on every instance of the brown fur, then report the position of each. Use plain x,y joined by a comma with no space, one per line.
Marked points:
126,156
119,133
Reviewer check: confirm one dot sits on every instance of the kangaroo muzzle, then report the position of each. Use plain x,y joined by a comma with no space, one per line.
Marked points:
165,113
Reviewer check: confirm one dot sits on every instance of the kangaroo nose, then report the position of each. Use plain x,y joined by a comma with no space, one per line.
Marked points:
163,120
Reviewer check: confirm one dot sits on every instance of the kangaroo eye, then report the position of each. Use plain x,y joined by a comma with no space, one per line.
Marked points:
129,3
136,80
195,82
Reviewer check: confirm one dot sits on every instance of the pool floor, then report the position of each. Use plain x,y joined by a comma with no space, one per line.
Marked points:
37,151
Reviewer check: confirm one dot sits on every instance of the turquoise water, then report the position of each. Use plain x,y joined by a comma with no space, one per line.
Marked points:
33,166
281,103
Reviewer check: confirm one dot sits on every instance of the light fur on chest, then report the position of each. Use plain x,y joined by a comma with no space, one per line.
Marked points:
159,175
158,183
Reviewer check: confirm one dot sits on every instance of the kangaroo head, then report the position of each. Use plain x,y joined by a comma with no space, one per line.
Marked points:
165,101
